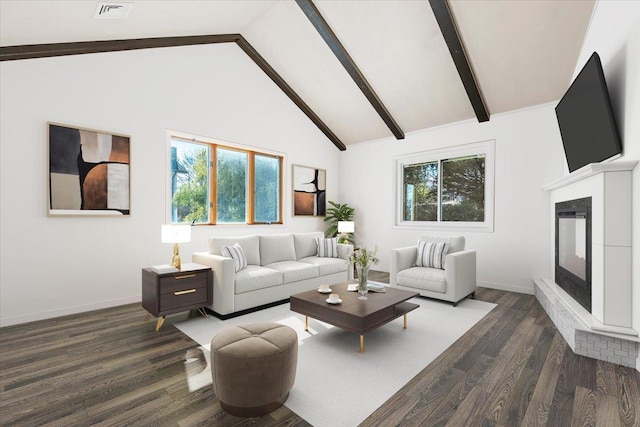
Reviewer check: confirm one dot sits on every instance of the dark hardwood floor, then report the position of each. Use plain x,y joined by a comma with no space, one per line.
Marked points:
109,367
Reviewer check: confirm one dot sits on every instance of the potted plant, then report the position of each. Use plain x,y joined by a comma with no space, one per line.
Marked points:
336,213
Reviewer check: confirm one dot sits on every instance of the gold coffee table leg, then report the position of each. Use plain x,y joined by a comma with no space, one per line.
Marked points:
159,323
361,343
146,318
306,323
405,322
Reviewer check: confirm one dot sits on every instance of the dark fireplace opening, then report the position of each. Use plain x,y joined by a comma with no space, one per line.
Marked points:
573,249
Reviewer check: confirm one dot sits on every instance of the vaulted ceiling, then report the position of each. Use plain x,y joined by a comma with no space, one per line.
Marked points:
400,75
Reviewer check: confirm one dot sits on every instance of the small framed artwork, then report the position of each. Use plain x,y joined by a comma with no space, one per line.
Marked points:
88,172
309,191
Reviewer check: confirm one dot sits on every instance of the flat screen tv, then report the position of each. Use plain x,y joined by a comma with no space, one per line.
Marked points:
585,116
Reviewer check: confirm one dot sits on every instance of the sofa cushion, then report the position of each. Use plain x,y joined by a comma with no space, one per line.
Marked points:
276,247
428,279
327,247
431,254
327,265
236,253
305,244
250,246
256,277
294,271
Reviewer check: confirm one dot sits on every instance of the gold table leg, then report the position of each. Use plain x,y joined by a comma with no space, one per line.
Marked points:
306,323
203,312
361,343
159,323
146,318
405,322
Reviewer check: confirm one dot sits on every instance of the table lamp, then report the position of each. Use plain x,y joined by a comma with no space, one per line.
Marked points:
344,228
175,234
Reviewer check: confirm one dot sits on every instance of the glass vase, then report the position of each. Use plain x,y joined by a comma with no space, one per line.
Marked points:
363,273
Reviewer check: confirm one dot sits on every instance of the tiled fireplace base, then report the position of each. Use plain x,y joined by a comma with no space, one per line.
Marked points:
614,348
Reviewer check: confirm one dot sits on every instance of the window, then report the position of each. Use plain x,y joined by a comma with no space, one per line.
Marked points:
231,186
219,184
447,189
267,188
190,182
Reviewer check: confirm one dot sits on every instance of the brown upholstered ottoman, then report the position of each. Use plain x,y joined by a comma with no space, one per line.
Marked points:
253,367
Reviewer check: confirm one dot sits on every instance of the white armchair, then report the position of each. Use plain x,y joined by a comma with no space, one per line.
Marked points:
454,283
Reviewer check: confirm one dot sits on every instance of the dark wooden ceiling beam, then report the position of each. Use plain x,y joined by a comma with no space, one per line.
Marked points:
32,51
13,53
293,96
454,42
349,64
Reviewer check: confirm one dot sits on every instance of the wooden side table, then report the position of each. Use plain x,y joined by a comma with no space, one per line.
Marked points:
191,288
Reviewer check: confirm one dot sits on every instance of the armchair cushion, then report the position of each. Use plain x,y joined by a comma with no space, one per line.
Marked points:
428,279
431,254
236,253
456,244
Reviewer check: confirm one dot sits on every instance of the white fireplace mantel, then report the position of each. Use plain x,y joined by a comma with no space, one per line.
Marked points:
590,170
610,187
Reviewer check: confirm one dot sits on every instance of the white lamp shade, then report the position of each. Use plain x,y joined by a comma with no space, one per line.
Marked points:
346,226
175,233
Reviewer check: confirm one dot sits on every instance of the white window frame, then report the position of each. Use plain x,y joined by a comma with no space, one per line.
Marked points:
478,148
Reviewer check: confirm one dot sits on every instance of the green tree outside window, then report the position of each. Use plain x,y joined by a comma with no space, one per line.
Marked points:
445,190
189,181
196,178
231,186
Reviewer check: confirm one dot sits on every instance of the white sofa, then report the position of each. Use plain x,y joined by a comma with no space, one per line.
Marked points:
279,265
453,283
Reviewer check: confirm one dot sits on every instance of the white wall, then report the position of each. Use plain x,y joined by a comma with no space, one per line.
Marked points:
52,266
528,155
55,266
614,33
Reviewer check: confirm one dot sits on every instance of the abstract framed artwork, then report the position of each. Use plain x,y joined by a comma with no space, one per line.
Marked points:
309,191
89,172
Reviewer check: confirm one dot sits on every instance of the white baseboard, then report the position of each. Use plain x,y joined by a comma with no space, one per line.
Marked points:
510,288
50,314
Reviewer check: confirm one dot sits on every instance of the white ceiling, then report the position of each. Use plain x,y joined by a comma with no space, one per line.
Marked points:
523,53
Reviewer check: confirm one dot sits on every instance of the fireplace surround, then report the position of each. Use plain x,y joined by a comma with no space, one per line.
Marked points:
604,330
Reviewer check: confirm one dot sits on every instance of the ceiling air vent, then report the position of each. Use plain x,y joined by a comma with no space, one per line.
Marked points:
112,10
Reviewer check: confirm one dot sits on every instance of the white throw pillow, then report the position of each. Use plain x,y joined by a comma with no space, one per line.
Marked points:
235,252
327,248
431,254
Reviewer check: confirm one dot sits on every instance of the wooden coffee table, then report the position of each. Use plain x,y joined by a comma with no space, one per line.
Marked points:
353,314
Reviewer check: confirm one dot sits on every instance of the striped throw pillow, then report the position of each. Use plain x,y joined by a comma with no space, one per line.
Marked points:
327,248
235,252
431,254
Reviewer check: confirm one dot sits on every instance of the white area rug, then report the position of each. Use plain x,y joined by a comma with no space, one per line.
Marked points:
337,386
